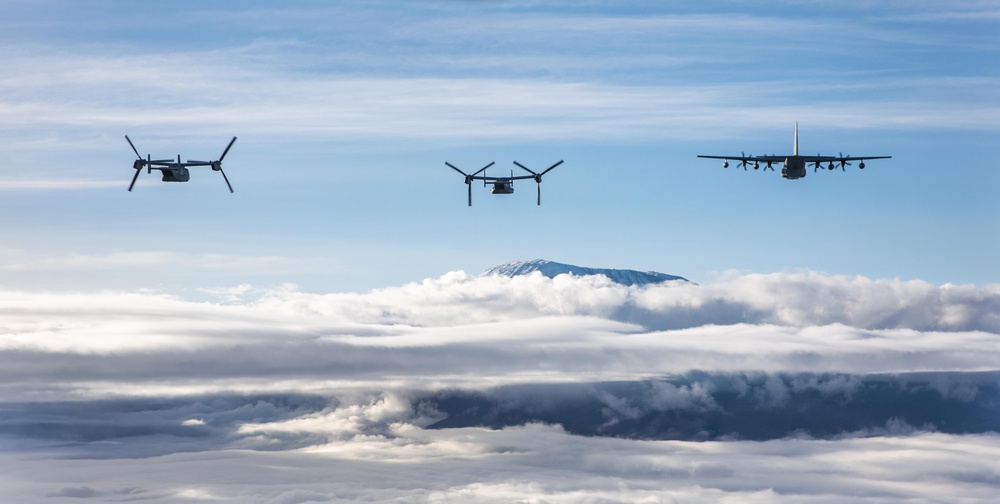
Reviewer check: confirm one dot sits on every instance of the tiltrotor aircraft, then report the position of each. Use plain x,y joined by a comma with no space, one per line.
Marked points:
503,185
175,171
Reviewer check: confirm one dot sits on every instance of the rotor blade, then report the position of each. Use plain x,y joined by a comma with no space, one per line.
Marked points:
551,167
484,168
224,177
133,147
525,168
456,169
470,194
137,171
539,184
231,142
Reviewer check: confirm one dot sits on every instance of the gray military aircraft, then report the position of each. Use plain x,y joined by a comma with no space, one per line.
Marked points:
794,166
503,185
175,171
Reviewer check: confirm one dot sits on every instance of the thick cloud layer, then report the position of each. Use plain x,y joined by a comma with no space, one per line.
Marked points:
764,388
373,448
487,331
796,299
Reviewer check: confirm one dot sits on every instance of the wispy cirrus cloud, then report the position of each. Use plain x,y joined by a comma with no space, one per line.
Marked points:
56,184
491,109
265,87
16,260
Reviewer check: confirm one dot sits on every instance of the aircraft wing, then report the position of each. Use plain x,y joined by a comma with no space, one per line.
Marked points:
763,159
860,158
494,179
808,159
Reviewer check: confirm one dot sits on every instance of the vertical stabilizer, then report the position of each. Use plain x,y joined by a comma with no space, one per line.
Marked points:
795,145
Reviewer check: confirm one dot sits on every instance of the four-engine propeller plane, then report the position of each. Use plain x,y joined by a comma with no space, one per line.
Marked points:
175,171
794,166
503,185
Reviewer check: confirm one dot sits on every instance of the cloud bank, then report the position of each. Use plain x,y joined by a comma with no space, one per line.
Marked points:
783,387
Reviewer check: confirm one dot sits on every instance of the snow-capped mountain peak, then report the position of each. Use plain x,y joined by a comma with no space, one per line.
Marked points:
552,269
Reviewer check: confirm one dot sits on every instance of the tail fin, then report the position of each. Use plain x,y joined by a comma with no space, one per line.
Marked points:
795,146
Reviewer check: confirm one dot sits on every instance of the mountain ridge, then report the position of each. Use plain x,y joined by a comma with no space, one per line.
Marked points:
551,269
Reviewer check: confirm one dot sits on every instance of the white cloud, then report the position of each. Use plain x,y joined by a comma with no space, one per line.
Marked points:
56,184
17,260
254,99
786,299
484,331
537,463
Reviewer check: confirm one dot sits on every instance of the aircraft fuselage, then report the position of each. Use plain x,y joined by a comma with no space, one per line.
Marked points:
794,168
502,187
178,174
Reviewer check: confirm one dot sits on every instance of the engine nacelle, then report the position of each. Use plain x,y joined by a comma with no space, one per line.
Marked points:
861,165
725,164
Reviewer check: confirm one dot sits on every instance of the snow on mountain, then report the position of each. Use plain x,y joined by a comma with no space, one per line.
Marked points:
552,269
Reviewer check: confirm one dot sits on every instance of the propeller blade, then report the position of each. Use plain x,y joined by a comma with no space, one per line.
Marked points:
484,168
844,162
231,142
137,172
470,194
133,147
551,167
224,177
525,168
539,193
456,169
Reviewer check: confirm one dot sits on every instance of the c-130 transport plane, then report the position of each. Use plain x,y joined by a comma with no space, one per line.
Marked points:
794,166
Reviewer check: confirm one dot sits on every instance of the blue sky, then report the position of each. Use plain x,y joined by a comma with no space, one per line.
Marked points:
310,337
346,114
